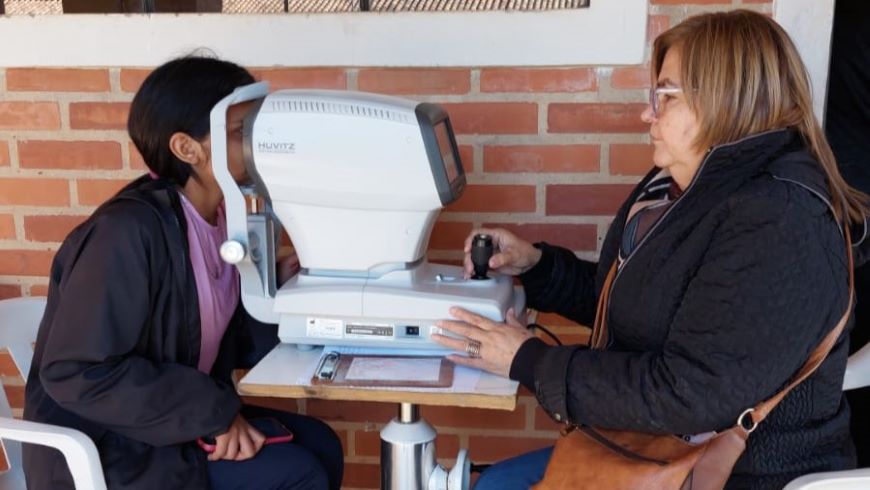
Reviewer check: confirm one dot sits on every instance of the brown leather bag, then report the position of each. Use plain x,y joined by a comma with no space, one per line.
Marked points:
589,458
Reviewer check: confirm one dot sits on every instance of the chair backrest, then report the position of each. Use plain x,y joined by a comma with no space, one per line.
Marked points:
19,323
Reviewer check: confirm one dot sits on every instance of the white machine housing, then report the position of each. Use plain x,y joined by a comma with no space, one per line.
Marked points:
358,181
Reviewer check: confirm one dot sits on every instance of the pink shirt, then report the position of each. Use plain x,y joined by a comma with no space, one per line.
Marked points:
217,283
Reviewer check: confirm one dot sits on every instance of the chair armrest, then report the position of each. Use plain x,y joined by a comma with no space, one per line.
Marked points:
78,449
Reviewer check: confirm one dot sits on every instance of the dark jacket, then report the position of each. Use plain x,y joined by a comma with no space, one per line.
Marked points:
714,311
118,347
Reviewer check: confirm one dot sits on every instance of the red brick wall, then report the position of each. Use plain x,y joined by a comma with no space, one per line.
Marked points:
549,153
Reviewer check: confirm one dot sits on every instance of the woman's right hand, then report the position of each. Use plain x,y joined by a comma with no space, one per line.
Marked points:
511,255
240,442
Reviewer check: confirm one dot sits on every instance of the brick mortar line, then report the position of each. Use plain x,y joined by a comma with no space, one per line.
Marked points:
12,145
540,220
550,178
115,80
543,122
46,210
460,431
680,12
73,174
29,246
604,160
351,76
73,193
617,96
554,139
63,97
373,460
20,280
18,222
120,136
67,134
477,157
65,118
540,198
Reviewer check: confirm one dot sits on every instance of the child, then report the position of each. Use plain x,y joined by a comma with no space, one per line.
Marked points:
144,325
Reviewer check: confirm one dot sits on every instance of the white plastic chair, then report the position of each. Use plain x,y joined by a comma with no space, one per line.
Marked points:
19,322
857,376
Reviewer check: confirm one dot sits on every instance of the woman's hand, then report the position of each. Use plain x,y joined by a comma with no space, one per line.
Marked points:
288,266
499,342
240,442
511,256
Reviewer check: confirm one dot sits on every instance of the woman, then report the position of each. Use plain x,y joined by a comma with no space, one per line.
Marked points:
731,269
143,324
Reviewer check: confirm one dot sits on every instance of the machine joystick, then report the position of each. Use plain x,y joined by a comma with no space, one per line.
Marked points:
481,251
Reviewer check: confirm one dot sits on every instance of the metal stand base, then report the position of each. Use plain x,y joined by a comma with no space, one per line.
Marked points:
408,456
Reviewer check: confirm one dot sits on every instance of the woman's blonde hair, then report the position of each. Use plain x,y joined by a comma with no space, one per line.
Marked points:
742,75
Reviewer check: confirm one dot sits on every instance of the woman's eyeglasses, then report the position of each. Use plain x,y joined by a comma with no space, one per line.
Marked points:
657,93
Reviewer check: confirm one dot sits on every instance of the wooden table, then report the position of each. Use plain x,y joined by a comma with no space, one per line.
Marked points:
277,375
286,372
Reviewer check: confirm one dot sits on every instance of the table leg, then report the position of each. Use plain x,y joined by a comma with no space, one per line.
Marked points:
407,451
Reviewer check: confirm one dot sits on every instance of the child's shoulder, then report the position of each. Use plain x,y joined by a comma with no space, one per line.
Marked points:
135,210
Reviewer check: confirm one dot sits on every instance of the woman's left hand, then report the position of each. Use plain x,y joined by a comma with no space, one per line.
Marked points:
499,342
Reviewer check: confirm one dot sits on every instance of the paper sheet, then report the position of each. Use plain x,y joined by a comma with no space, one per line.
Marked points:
464,379
394,369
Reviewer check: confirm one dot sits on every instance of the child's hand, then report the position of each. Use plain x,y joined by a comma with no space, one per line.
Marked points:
238,443
288,267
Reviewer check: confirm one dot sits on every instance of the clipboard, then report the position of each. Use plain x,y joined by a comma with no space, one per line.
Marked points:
373,370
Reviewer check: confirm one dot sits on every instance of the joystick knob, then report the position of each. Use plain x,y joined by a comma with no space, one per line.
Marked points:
481,251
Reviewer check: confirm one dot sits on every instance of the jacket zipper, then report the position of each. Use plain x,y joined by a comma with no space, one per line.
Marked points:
649,233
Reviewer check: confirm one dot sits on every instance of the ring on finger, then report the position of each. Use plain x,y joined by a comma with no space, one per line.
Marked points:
472,348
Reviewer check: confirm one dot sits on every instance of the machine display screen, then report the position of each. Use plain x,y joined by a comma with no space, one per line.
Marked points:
451,164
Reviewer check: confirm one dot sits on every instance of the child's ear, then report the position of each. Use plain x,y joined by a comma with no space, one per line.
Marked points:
187,149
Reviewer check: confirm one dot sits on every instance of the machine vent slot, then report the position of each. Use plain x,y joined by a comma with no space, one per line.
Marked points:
332,107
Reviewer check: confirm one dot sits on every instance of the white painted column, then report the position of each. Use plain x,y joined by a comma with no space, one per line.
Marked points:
810,23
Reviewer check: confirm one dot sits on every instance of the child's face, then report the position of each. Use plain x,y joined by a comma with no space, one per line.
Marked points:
235,154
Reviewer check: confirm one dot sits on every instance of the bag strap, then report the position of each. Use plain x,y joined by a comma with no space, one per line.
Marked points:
598,341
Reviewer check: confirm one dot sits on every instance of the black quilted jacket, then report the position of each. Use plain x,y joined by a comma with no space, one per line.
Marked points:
713,312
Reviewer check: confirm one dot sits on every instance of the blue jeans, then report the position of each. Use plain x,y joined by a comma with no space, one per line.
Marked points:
517,473
314,460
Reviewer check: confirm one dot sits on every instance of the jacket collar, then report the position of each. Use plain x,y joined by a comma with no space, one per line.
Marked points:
747,157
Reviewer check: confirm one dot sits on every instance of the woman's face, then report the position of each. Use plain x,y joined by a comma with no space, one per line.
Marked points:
674,127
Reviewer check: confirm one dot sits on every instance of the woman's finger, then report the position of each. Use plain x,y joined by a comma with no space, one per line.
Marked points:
450,342
472,318
460,328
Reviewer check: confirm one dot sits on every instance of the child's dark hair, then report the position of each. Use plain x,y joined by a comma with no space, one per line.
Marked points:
178,97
